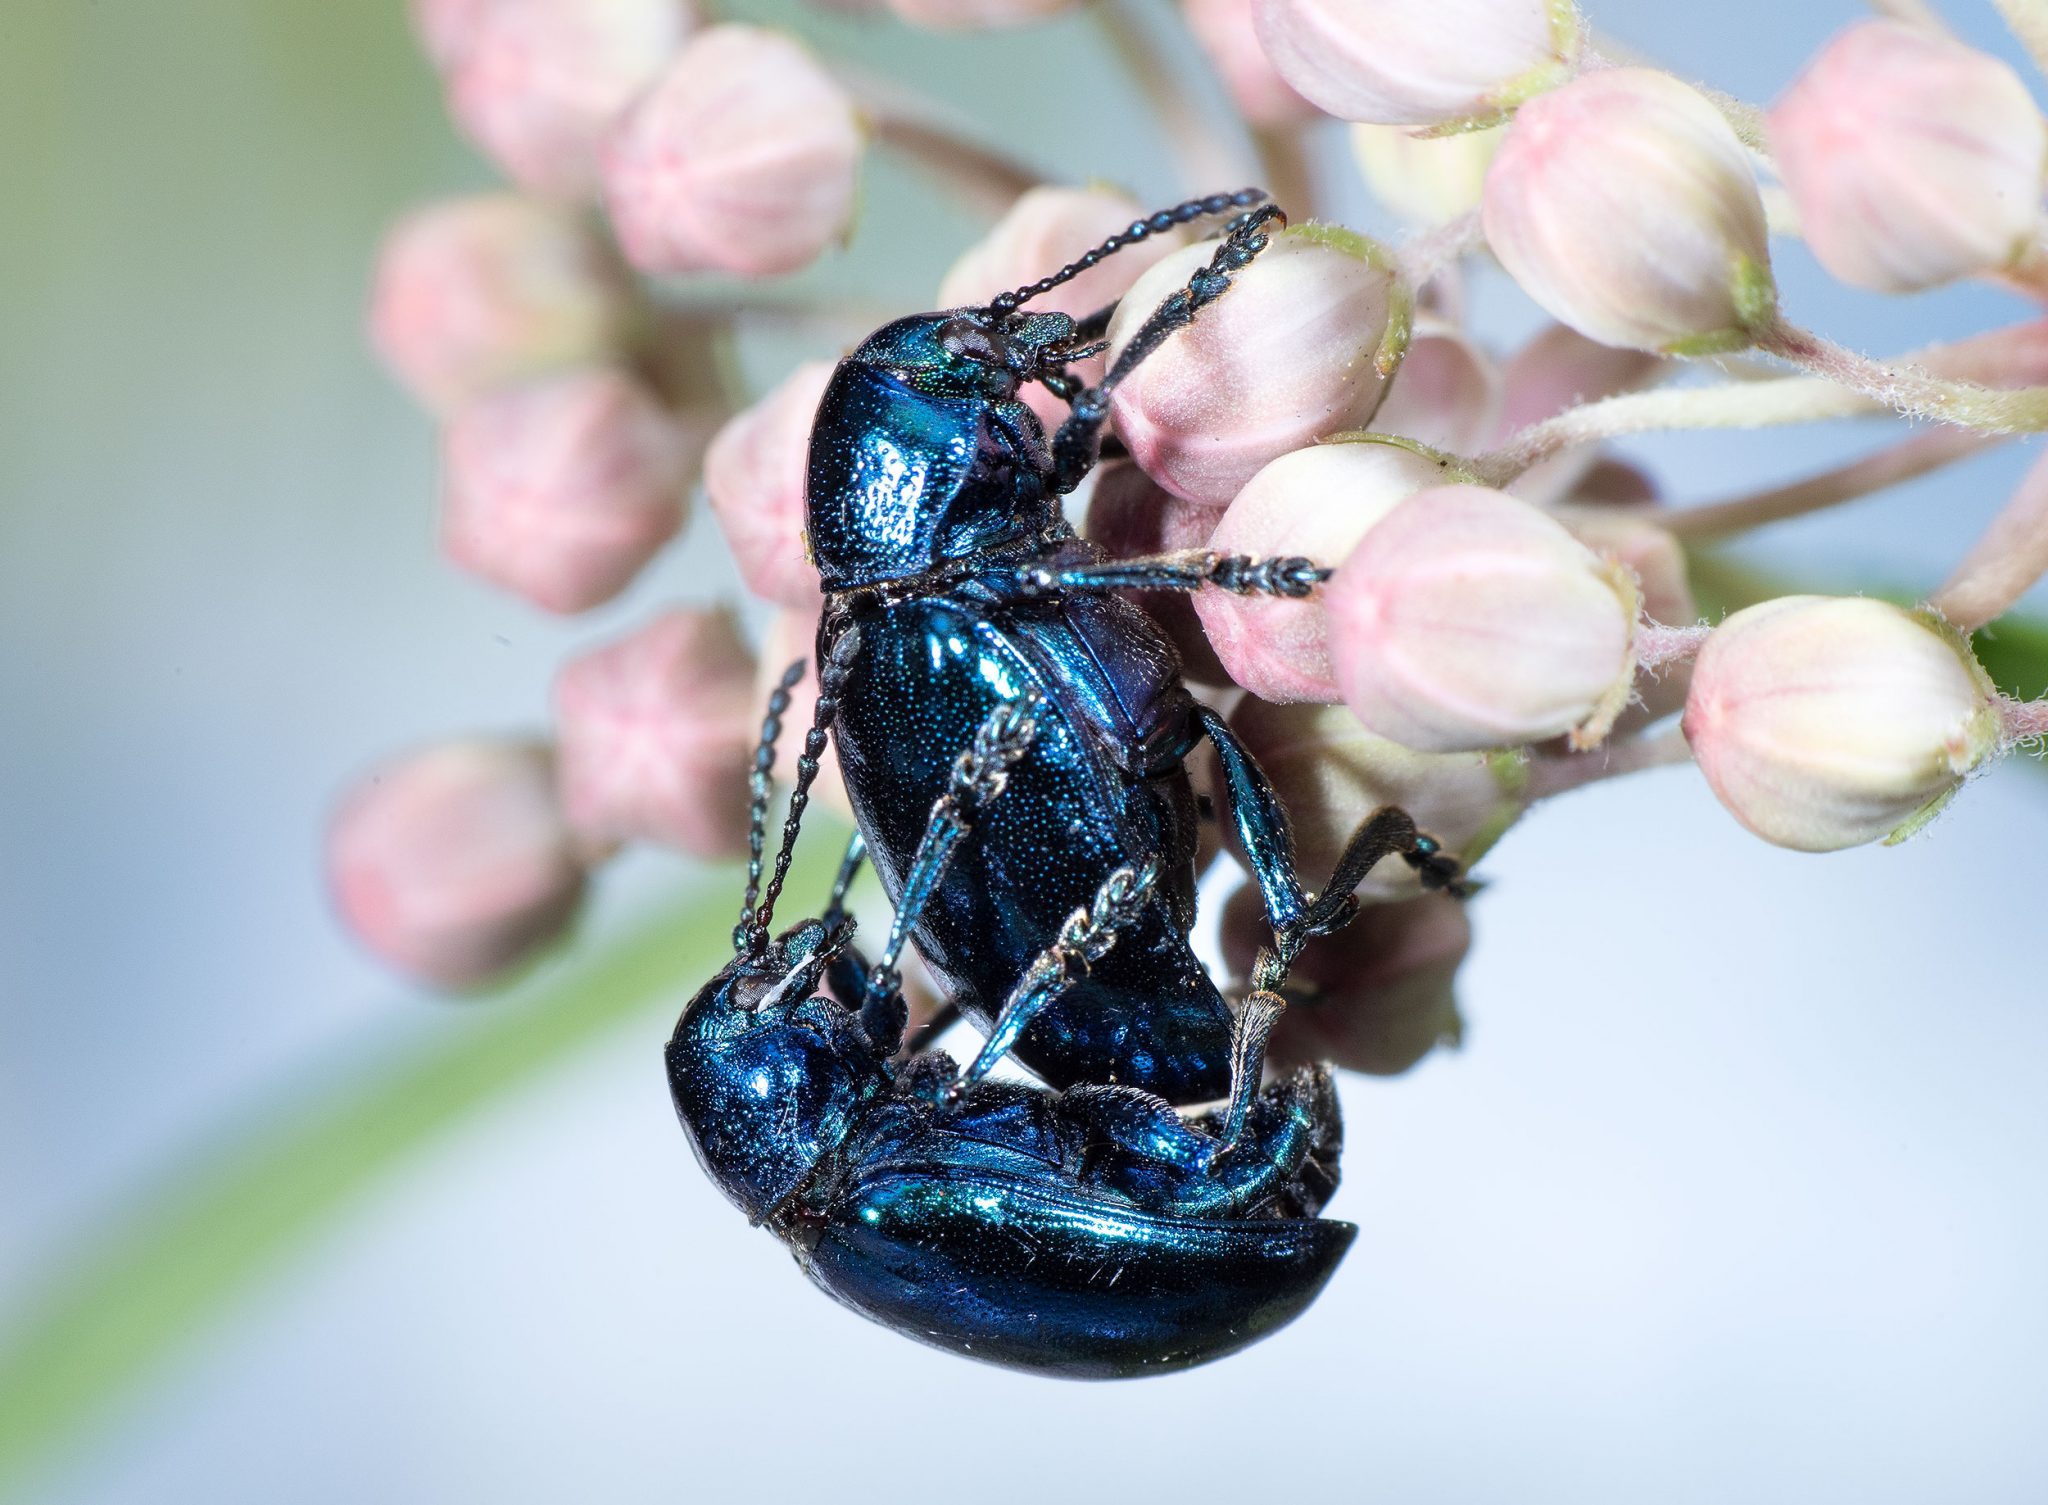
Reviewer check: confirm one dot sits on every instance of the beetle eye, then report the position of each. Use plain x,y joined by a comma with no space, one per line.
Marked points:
964,337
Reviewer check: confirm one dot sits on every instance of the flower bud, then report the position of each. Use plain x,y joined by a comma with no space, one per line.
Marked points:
741,158
1377,996
1331,773
454,863
1224,30
1426,180
1824,722
1625,206
1419,62
1913,159
444,27
1315,503
562,491
793,635
1132,517
974,15
657,735
754,480
1632,537
1045,229
540,82
1283,358
1467,619
1446,394
479,293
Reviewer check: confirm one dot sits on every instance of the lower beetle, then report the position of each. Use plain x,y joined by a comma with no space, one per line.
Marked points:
1090,1233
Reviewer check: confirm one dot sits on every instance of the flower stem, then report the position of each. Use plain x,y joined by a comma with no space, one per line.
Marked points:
1919,12
1659,647
2022,720
2028,20
2009,558
1916,455
1424,257
1285,169
1552,774
988,179
1907,389
1208,160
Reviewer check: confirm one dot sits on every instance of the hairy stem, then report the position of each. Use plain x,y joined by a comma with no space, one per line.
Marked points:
988,179
1911,457
1553,773
2005,562
1907,389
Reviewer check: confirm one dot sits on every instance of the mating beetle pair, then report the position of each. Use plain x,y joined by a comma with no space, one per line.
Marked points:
971,647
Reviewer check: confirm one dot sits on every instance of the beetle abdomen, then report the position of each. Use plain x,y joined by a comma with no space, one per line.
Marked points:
1060,1280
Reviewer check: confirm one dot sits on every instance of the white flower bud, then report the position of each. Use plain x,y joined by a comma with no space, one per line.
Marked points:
1913,159
1467,619
1624,204
1826,722
1419,62
1447,393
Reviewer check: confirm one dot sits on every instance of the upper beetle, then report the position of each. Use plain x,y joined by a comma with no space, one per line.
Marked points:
934,517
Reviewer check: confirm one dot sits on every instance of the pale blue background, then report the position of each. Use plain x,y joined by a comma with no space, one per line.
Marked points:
1736,1191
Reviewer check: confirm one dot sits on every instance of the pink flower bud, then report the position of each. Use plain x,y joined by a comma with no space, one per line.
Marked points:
1632,537
1913,159
1332,773
1426,180
1625,206
1467,619
1447,393
444,27
657,735
1225,31
479,293
562,491
454,864
754,480
1823,723
1315,503
1377,996
793,635
1419,62
1044,230
974,15
1281,359
1131,516
741,159
540,82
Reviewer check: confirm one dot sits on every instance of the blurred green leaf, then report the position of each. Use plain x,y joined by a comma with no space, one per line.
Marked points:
161,1271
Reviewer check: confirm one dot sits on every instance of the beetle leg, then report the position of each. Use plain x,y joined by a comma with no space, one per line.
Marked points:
1075,444
978,777
1084,940
1189,570
1268,841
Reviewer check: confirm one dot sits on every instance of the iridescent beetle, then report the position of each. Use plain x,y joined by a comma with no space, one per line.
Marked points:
1090,1233
934,515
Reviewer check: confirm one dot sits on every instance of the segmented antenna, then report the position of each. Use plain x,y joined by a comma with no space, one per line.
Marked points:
761,786
831,681
1143,229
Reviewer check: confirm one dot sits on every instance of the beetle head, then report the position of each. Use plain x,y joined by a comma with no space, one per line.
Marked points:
765,1075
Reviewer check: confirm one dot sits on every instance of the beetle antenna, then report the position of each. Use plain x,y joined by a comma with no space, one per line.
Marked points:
760,785
1142,229
831,682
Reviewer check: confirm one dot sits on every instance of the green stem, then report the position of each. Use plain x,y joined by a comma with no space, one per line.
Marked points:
132,1294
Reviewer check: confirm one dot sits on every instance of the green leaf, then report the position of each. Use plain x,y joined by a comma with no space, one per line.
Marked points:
121,1305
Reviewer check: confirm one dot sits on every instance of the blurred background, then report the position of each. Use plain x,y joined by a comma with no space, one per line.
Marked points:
1735,1190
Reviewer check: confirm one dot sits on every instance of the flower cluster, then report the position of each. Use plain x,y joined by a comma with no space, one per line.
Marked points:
1509,614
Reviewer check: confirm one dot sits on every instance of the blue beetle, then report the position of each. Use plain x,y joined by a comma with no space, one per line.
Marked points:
1090,1233
934,517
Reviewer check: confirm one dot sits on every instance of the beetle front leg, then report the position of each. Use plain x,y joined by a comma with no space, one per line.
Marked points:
1287,576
